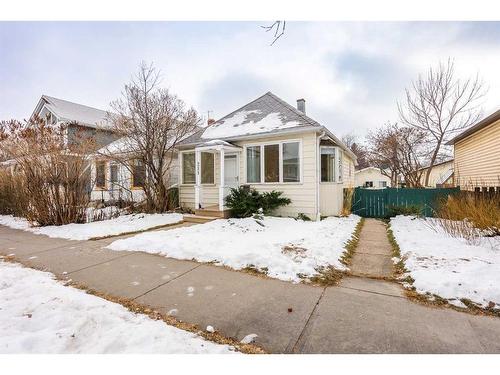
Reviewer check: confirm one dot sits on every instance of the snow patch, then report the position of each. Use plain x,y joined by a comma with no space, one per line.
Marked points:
249,338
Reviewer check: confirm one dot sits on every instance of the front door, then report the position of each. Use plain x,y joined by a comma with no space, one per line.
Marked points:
231,171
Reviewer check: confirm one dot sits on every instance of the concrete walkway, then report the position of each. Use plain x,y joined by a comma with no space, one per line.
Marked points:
360,316
374,252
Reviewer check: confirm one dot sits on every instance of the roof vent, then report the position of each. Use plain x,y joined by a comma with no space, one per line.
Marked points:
301,105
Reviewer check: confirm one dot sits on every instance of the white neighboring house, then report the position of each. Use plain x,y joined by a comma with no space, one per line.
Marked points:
441,175
113,180
372,178
267,145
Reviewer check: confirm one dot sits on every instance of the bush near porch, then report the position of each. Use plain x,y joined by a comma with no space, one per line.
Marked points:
245,202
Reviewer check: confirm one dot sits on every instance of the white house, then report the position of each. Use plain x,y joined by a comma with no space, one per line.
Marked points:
267,145
371,177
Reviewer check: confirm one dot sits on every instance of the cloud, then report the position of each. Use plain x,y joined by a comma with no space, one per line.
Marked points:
351,74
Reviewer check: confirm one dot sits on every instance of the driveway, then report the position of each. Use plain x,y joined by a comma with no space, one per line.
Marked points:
362,315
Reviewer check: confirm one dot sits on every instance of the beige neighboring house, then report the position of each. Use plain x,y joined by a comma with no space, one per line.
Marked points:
372,178
441,175
477,155
268,145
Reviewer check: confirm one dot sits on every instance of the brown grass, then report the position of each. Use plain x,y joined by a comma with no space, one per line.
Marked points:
347,205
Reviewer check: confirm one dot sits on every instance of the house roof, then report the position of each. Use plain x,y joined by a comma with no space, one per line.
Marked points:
267,115
480,125
366,168
69,112
440,163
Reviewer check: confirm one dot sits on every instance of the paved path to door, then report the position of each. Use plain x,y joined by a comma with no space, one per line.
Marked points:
374,252
360,316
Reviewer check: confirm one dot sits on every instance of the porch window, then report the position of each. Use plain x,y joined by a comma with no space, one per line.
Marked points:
207,168
291,165
272,163
188,168
100,174
138,174
327,164
253,164
113,174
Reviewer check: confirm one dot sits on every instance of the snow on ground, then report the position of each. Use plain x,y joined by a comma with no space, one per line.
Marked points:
111,227
285,247
446,266
40,315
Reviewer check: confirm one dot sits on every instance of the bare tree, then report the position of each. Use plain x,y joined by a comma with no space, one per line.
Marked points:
277,28
152,122
351,141
398,151
440,105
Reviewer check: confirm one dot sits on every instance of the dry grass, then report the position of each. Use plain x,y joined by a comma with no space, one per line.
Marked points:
347,205
469,215
326,276
352,244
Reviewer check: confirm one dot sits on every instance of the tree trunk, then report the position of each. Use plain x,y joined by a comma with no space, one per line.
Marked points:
433,160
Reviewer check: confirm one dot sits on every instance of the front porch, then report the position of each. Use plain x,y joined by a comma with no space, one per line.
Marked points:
214,169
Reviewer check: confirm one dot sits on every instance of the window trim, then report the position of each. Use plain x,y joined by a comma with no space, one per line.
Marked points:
182,153
132,186
105,186
338,166
215,175
262,172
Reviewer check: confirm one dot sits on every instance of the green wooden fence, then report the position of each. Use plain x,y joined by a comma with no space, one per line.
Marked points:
378,202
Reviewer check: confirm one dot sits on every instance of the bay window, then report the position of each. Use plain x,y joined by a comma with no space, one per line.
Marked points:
273,163
331,164
188,168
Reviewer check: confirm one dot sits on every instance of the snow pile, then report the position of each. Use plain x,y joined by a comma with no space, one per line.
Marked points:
238,124
40,315
448,266
111,227
283,247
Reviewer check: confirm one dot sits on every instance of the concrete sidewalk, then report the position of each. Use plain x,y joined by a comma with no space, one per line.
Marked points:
360,316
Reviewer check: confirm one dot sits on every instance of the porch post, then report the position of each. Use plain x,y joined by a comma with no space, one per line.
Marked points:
197,186
221,182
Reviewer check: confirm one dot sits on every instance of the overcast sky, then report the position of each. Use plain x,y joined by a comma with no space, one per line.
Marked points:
351,74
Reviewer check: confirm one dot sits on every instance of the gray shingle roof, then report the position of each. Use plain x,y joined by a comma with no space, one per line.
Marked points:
267,114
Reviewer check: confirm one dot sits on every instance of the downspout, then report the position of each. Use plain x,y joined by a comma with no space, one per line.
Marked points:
318,174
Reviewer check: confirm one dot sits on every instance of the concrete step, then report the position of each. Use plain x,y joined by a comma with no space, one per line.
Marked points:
199,219
212,212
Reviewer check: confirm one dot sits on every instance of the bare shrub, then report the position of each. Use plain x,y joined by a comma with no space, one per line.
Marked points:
469,215
52,179
347,206
11,201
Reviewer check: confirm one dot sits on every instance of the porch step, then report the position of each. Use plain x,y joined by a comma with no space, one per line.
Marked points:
188,218
212,212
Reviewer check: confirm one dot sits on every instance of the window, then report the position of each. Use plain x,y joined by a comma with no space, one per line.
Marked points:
100,174
188,168
253,164
113,174
368,183
138,174
327,164
291,165
272,163
207,168
382,184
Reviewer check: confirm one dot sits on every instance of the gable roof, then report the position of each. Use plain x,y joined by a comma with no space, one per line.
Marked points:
68,112
495,116
266,115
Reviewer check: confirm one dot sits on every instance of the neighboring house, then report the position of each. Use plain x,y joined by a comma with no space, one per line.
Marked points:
119,175
268,145
82,121
371,177
477,155
441,175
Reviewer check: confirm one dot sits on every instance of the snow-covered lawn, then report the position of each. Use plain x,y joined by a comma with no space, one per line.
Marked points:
40,315
104,228
283,247
449,267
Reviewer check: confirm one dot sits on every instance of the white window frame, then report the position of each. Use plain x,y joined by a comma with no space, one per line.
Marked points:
262,171
338,165
215,166
182,168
